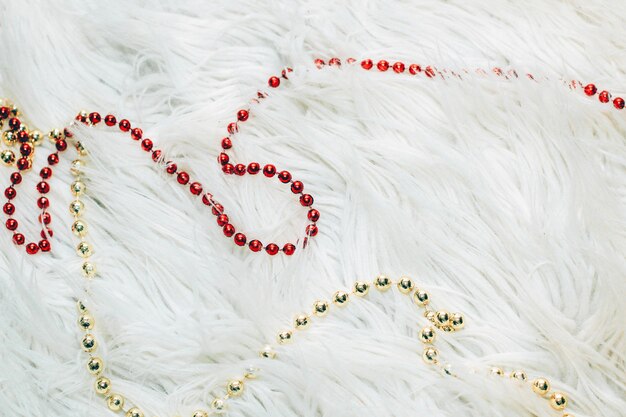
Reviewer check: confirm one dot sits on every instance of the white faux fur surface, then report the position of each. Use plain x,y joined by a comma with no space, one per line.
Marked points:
506,199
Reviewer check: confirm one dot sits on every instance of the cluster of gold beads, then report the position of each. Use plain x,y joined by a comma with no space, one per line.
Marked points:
14,135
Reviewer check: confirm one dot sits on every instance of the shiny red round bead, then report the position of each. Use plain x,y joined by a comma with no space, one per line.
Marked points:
233,128
227,143
110,120
43,187
182,178
45,218
306,200
272,249
32,248
4,112
53,159
124,125
350,60
11,224
22,136
367,64
195,188
240,239
240,169
207,199
311,230
284,176
146,145
223,158
297,187
10,193
269,170
171,168
217,209
253,168
95,118
61,145
43,203
228,169
45,173
16,178
229,230
430,72
618,102
222,220
23,164
45,234
398,67
136,133
273,82
44,245
19,239
382,65
313,215
289,249
8,209
319,63
336,62
255,245
604,96
284,72
242,115
156,155
590,89
14,123
67,133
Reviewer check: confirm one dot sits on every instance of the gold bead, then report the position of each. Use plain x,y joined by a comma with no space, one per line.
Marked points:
7,157
267,352
457,321
235,388
405,285
218,404
115,402
78,188
421,298
284,337
89,343
558,400
9,138
302,322
251,372
80,306
36,137
77,167
340,298
361,288
496,371
382,283
79,228
54,135
77,207
541,386
86,321
95,365
15,111
320,308
80,148
430,315
427,335
430,355
568,415
200,413
103,385
89,269
84,250
134,412
519,375
442,318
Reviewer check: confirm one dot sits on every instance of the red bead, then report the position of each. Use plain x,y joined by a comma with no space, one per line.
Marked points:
242,115
430,72
195,188
350,60
269,170
618,102
289,249
45,234
23,164
217,209
272,249
10,193
240,169
311,230
284,73
240,239
67,133
228,230
227,143
398,67
16,178
22,136
11,224
233,128
222,220
32,248
319,63
43,203
8,209
604,96
110,120
45,173
18,239
136,133
53,159
94,118
306,200
223,158
367,64
253,168
146,145
382,65
313,215
61,145
335,62
4,112
207,199
297,187
43,187
182,178
228,169
124,125
590,89
171,168
45,218
82,117
26,149
274,82
44,245
14,123
255,245
156,155
284,176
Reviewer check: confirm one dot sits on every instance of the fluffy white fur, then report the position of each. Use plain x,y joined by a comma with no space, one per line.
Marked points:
505,199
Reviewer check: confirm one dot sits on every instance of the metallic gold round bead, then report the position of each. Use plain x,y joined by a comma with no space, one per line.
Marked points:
115,402
134,412
86,321
9,138
457,321
340,298
267,352
251,372
15,111
78,188
361,288
89,343
80,148
567,415
7,156
421,298
427,335
95,365
54,135
519,375
77,207
103,385
558,400
382,283
496,371
77,167
447,328
302,322
89,269
430,315
541,386
80,306
284,337
442,318
320,308
218,405
235,388
84,250
79,228
200,413
405,285
36,137
430,355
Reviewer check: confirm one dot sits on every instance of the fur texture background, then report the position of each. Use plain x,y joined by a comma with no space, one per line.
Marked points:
505,199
